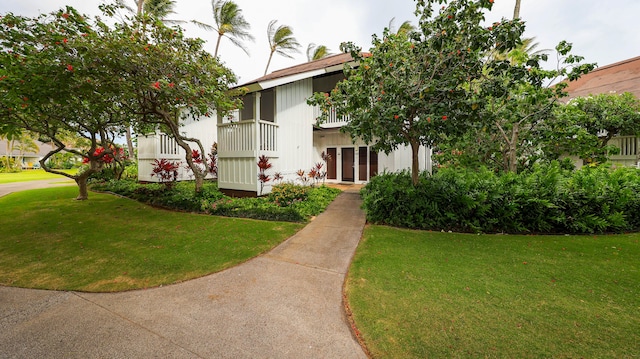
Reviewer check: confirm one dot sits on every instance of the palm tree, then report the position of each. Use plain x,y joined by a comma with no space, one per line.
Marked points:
158,9
230,23
405,28
317,52
281,41
522,52
516,10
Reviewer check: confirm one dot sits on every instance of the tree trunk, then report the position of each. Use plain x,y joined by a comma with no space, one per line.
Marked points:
83,191
129,144
516,10
215,54
268,63
415,166
513,147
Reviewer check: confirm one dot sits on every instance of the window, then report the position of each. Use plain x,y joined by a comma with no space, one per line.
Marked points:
268,105
327,83
247,112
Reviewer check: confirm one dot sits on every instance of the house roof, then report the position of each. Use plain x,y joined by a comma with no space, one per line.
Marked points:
328,64
623,76
43,149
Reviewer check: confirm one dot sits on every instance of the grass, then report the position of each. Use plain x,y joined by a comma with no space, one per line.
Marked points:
417,294
31,175
110,243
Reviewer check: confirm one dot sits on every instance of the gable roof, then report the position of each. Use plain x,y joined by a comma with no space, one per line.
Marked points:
306,70
623,76
43,149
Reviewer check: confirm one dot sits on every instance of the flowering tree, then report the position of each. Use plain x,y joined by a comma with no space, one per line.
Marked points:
53,81
415,87
170,79
63,73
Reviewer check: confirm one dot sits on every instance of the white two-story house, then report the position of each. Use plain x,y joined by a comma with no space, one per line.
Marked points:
277,122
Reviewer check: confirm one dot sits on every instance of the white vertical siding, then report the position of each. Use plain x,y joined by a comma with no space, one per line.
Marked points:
150,147
295,120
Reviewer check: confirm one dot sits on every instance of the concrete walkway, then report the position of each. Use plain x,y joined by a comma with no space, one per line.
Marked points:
6,188
284,304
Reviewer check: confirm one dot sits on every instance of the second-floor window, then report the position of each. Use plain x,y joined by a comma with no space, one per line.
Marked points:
268,105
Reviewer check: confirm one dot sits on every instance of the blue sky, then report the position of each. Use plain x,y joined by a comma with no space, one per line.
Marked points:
603,31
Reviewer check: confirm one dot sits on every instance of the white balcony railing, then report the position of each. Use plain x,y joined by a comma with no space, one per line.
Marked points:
168,146
628,145
333,119
242,139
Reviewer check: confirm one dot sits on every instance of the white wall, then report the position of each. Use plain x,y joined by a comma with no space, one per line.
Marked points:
295,120
149,147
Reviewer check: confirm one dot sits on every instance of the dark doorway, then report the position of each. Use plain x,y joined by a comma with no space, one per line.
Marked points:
373,164
362,163
348,170
332,172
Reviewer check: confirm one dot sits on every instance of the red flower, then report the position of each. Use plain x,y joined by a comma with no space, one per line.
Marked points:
171,84
156,84
70,68
65,40
444,118
396,117
65,15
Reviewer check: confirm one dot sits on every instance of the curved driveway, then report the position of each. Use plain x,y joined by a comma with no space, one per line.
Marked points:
7,188
284,304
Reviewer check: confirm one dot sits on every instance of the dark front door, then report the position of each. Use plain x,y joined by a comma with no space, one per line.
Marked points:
362,163
348,164
332,169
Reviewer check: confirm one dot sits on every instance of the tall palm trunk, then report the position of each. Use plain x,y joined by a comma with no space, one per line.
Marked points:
516,10
215,54
268,63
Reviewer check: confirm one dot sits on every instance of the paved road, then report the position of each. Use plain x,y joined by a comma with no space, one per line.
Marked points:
7,188
284,304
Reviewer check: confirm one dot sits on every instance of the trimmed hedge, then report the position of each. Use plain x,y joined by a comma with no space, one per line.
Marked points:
547,199
288,202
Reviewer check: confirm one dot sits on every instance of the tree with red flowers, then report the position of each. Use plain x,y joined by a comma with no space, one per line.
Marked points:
64,73
55,83
415,87
169,79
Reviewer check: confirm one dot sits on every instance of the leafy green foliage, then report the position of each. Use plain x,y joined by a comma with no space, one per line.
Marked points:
286,194
547,199
66,73
304,202
585,125
415,87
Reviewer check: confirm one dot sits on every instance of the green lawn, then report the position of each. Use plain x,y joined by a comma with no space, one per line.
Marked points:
31,175
109,243
418,294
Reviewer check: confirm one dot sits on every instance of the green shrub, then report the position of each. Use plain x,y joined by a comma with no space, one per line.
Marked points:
286,194
210,200
545,199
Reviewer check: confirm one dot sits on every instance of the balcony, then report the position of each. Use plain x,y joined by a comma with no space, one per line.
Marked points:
333,121
628,146
247,139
